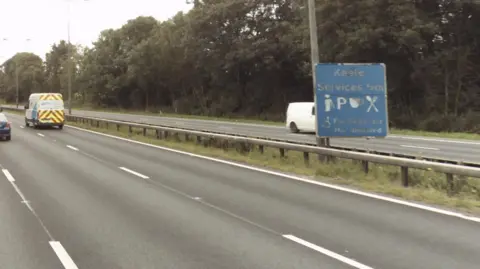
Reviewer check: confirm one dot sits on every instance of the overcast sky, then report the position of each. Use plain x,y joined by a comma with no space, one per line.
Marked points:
44,22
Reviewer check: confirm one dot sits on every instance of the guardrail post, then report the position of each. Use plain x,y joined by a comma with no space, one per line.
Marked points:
365,166
118,127
144,131
98,124
187,137
199,139
206,142
306,158
177,137
404,175
449,184
158,134
244,147
282,153
106,125
165,134
130,130
261,149
225,145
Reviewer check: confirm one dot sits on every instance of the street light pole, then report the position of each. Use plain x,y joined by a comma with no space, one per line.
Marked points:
69,62
69,55
16,80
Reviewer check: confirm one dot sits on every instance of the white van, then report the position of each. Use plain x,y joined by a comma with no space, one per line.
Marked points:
45,109
301,117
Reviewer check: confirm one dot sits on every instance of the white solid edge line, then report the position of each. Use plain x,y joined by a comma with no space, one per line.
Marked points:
435,140
327,252
72,147
40,134
417,147
63,255
133,172
8,175
297,178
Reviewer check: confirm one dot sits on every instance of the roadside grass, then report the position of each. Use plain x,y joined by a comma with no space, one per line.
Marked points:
425,186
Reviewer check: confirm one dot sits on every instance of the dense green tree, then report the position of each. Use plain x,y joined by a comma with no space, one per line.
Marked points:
56,66
29,70
251,58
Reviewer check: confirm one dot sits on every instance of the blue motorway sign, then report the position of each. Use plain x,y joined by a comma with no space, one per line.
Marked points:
351,100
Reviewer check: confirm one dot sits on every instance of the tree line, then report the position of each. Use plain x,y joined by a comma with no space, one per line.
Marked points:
238,58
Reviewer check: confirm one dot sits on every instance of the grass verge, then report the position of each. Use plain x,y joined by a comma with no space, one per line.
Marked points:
426,186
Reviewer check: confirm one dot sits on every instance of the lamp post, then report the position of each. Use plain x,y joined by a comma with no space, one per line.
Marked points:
69,55
69,62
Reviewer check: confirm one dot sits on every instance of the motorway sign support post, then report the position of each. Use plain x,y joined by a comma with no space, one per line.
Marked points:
351,100
321,142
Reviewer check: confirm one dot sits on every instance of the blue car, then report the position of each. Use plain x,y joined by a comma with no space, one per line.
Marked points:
5,127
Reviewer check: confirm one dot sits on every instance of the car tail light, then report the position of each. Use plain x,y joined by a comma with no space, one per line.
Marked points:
7,125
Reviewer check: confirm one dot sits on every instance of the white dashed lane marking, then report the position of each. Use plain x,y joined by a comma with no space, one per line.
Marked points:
134,173
72,147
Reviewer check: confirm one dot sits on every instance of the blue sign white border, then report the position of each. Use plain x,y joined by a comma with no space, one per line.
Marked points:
387,125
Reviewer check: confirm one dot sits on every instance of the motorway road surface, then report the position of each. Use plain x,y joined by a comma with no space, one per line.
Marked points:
465,151
88,201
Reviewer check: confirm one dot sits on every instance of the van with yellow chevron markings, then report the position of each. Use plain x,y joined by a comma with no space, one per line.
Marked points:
45,109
